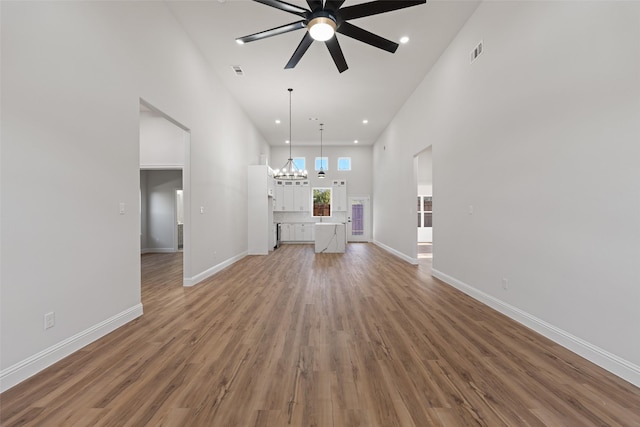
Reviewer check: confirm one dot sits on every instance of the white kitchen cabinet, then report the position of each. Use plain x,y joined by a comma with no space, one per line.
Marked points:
304,232
289,205
301,196
292,196
339,188
279,196
287,232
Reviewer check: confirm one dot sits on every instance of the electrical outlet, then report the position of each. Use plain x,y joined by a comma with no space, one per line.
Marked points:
49,320
505,283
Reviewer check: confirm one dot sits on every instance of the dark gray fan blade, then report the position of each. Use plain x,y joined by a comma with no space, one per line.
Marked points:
300,50
366,37
333,4
375,8
336,53
314,4
272,32
291,8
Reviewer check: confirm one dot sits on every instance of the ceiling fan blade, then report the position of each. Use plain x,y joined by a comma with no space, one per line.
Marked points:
366,37
314,4
272,32
333,4
291,8
376,7
300,50
336,53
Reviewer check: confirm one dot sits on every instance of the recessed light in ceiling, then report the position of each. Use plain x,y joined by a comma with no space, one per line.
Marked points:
277,121
287,141
404,40
314,119
365,121
355,142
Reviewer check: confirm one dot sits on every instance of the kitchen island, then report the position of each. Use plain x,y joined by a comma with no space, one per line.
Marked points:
330,237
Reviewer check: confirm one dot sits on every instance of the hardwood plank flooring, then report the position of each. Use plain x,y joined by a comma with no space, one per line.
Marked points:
294,338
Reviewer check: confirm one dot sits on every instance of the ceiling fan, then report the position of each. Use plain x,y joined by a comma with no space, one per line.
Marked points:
325,18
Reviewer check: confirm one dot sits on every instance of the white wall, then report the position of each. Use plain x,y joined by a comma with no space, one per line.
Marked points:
540,134
425,172
358,179
160,213
72,77
161,142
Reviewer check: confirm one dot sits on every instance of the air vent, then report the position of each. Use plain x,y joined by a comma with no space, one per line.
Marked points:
237,70
476,52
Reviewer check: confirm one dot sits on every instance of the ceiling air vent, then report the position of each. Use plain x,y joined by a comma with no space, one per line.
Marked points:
237,70
476,52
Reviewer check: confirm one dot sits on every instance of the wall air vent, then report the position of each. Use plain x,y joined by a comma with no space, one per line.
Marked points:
237,70
477,51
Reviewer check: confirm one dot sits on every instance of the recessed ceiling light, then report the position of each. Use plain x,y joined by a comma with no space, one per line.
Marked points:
355,142
287,141
277,121
365,121
404,40
314,119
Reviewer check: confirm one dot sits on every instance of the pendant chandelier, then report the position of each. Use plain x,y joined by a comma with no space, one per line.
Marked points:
290,171
321,173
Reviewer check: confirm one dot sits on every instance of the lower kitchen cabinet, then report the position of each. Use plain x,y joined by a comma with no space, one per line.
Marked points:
301,232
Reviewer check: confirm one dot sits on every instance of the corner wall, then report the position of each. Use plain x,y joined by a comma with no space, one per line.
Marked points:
73,74
540,136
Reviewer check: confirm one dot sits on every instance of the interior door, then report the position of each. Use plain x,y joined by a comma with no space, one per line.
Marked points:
358,219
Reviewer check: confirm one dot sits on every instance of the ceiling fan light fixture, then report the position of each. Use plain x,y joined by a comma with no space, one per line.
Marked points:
322,28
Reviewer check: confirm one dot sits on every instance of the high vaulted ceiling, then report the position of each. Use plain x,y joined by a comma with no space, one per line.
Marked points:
374,87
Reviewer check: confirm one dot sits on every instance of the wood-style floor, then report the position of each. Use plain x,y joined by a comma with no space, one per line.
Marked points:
294,338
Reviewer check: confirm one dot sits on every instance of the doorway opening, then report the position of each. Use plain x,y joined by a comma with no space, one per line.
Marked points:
164,186
424,181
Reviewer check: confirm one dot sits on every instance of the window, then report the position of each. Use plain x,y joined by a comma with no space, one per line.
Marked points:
322,161
300,163
344,163
425,214
321,201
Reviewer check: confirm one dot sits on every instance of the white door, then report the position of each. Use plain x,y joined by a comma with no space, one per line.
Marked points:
358,219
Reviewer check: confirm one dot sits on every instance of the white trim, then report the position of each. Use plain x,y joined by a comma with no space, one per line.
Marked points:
389,249
191,281
616,365
161,167
30,366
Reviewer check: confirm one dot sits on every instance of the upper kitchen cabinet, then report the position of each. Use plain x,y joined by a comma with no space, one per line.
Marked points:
292,196
339,187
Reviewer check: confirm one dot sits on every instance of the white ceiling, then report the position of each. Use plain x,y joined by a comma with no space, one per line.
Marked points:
374,87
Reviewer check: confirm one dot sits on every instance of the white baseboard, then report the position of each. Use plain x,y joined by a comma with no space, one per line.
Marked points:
616,365
389,249
194,280
19,372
